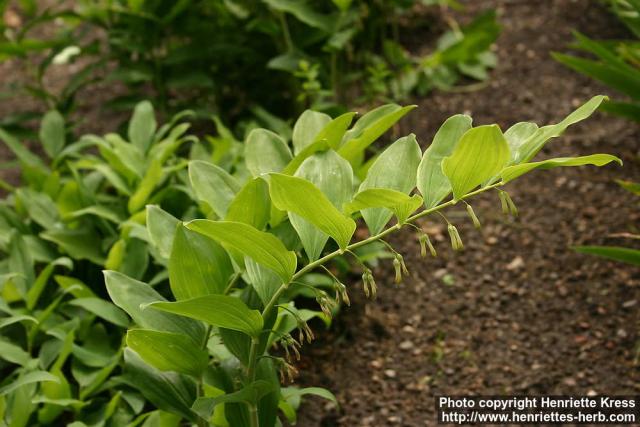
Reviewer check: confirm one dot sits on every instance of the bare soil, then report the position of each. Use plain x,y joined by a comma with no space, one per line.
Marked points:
518,312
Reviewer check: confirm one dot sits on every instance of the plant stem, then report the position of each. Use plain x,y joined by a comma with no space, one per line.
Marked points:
338,252
251,377
253,356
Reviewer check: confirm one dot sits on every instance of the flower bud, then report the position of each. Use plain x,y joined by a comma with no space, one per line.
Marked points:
512,206
396,266
503,202
342,290
474,218
326,303
425,243
456,241
369,284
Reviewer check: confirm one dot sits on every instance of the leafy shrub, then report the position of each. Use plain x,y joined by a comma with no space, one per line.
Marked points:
244,57
78,211
616,63
208,355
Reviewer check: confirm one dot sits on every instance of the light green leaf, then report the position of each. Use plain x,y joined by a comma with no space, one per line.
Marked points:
616,253
265,152
479,156
161,226
308,151
43,278
301,197
306,128
13,353
142,126
264,281
103,309
97,211
517,134
354,147
400,203
198,265
168,351
6,321
394,169
334,131
52,133
263,248
251,205
152,177
333,176
129,294
432,183
289,393
512,172
28,378
213,185
530,147
221,311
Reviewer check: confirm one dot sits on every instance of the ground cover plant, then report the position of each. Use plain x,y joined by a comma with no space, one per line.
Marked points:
77,211
208,355
616,63
238,58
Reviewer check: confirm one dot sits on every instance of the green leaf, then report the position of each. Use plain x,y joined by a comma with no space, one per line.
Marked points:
630,186
161,226
103,309
251,393
152,177
354,147
303,11
616,253
221,311
28,378
432,183
130,294
479,156
334,131
13,353
198,266
402,157
623,79
333,176
401,204
6,321
52,133
78,243
290,393
533,144
168,351
43,278
265,152
168,391
264,281
20,150
301,197
517,134
251,205
306,128
213,185
142,126
263,248
512,172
